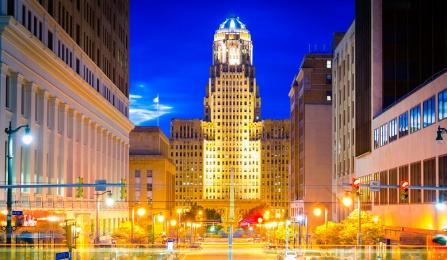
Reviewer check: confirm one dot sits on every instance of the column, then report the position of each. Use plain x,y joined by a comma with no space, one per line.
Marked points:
53,146
62,162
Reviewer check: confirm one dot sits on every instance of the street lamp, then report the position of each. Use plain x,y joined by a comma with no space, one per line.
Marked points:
318,211
441,130
347,201
300,218
160,218
178,227
109,202
26,140
140,212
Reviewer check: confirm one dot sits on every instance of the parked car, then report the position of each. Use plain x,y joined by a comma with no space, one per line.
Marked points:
287,255
311,255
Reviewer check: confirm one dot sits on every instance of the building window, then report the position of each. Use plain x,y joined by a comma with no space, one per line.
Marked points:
393,130
8,92
329,64
328,78
442,105
429,111
415,119
376,138
403,125
383,135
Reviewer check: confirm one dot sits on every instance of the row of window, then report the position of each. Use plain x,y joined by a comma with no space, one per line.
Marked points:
411,121
31,22
419,173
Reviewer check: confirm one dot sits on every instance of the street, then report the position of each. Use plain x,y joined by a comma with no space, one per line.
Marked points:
216,251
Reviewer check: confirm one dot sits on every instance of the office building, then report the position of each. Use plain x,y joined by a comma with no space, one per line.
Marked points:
151,175
232,149
399,102
64,72
310,182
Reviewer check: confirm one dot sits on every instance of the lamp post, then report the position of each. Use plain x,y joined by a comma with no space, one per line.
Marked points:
160,219
109,202
318,211
178,227
441,130
26,140
347,201
140,212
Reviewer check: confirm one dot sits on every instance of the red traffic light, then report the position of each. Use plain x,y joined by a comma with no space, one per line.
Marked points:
355,182
355,185
404,190
404,184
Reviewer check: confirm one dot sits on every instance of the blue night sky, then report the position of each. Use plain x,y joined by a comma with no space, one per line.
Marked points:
171,50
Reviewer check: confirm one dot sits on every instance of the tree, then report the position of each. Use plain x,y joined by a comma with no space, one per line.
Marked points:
211,214
345,233
123,233
280,234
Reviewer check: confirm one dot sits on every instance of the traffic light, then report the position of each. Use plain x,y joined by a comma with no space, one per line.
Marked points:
355,183
68,235
403,190
123,189
80,190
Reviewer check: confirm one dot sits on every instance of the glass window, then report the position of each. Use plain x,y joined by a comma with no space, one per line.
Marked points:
393,130
403,124
442,105
383,135
328,64
415,119
429,111
376,138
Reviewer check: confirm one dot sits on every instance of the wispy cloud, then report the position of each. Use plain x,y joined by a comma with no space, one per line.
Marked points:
144,109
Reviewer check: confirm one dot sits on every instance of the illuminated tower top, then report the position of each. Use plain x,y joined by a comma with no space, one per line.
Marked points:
232,23
232,43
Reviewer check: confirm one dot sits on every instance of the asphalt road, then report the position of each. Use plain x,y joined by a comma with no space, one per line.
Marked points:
221,251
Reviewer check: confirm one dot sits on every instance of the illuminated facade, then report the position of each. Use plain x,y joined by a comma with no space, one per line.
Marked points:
151,173
310,96
232,142
343,119
61,75
399,101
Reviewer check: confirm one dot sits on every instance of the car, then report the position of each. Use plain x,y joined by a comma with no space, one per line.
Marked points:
287,255
311,255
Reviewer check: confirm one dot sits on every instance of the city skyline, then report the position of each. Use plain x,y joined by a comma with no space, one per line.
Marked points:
170,58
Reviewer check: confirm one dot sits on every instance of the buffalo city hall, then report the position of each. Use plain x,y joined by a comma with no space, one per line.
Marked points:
231,144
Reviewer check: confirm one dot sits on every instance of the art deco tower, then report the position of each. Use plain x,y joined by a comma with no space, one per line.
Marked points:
232,139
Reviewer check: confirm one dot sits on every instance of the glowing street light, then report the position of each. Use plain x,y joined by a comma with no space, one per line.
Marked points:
160,218
140,212
26,140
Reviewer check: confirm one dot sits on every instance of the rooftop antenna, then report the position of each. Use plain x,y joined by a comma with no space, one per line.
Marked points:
315,47
324,48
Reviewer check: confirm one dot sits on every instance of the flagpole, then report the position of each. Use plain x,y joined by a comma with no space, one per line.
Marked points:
157,110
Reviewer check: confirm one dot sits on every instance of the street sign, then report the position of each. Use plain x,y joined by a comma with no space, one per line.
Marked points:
17,213
374,185
62,255
100,188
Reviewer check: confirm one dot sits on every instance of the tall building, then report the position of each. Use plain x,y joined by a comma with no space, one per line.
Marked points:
151,175
399,86
231,147
310,183
343,119
64,72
